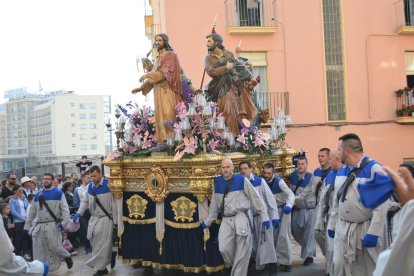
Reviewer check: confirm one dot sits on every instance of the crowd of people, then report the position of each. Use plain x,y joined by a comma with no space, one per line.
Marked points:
42,224
352,207
357,211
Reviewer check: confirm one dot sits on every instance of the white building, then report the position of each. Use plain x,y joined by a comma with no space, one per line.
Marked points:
41,130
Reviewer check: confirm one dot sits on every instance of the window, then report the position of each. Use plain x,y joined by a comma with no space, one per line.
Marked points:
248,12
334,60
82,106
83,126
72,115
92,126
259,63
73,134
92,106
83,147
73,125
409,63
94,136
92,116
94,146
83,137
409,12
72,104
73,145
82,116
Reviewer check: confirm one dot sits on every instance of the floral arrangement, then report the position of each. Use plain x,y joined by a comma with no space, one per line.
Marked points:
139,139
405,101
199,128
253,140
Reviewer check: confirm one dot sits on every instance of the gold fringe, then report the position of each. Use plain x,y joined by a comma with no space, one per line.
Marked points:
184,268
139,221
182,225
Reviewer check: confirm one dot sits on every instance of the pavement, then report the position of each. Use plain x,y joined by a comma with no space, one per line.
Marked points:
79,267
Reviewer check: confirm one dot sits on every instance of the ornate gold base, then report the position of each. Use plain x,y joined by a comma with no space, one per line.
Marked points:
158,176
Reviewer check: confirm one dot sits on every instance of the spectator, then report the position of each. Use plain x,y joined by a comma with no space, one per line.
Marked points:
19,209
80,195
33,187
58,179
7,220
84,164
36,182
67,190
67,245
3,184
26,184
75,180
7,191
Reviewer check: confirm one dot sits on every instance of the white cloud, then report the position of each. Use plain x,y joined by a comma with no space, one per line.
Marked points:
86,46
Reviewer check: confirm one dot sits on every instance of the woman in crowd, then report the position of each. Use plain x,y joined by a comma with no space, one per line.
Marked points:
19,207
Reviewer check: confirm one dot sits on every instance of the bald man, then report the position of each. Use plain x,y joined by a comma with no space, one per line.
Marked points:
322,214
233,197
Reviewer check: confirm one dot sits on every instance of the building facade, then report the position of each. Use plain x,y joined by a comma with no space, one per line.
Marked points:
332,64
42,131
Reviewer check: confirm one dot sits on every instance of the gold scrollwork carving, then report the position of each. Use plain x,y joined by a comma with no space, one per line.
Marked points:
135,172
179,172
201,184
204,196
136,206
115,172
206,171
117,187
183,209
157,182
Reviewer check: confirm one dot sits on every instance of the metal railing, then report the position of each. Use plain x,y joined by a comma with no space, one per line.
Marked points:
405,102
404,12
250,13
273,101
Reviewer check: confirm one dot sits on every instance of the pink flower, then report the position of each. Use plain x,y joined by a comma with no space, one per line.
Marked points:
190,145
146,143
258,142
242,139
217,152
244,130
213,144
178,155
110,157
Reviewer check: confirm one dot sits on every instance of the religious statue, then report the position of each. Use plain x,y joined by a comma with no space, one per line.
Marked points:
231,84
164,78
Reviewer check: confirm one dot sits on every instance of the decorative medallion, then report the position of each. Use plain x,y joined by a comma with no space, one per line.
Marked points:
136,206
183,209
157,182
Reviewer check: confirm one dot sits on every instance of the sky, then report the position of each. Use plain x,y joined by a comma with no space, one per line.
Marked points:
86,46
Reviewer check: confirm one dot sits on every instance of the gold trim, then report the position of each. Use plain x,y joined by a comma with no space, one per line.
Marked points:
405,120
405,30
251,30
182,225
187,269
140,221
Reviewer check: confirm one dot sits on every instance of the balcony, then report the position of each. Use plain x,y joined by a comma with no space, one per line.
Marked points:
404,15
405,106
251,16
273,101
